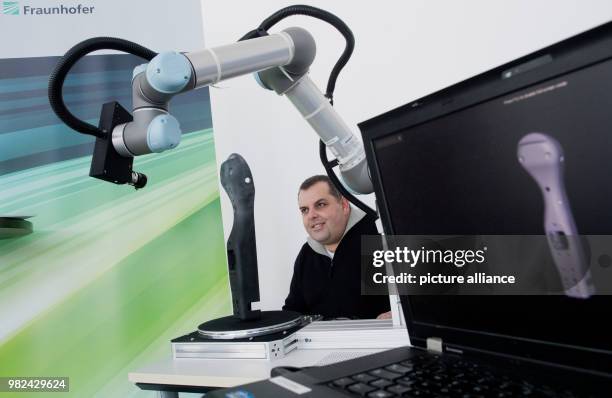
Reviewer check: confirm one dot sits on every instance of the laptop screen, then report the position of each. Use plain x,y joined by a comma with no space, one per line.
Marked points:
448,164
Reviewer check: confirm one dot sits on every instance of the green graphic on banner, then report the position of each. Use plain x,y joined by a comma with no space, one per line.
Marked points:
10,7
109,274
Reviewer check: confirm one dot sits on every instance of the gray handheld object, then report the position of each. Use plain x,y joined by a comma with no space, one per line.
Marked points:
237,181
542,157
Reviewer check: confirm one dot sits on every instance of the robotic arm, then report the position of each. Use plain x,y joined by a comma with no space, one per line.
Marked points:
280,62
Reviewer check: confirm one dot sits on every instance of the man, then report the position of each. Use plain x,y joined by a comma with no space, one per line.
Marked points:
326,276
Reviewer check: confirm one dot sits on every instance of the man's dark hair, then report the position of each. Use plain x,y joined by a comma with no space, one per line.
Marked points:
310,181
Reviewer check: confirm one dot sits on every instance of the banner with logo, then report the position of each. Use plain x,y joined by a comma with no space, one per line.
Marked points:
109,274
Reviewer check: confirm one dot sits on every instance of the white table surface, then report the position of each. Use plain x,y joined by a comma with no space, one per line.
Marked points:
233,372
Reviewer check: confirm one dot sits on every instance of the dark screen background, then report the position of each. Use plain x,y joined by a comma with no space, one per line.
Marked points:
459,174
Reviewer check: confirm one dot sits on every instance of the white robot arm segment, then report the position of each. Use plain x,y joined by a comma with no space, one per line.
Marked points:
282,60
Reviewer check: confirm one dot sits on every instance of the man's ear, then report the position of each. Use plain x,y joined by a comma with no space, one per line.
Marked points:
346,207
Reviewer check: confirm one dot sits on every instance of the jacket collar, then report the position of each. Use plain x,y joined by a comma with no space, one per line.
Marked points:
355,216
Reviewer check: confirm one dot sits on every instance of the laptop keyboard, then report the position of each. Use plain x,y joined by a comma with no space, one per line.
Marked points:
429,376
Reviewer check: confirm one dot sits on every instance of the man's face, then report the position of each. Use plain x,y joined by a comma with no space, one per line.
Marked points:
324,216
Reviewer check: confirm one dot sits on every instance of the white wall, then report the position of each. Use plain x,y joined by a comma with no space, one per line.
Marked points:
404,50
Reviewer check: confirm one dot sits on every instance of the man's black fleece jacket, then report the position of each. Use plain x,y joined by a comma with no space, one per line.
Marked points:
332,287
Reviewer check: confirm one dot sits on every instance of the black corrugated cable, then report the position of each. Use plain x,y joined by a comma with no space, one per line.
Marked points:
58,76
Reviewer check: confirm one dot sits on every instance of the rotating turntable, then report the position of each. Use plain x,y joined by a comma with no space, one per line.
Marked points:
247,333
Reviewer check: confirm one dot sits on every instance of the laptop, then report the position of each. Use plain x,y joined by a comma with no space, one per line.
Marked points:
447,164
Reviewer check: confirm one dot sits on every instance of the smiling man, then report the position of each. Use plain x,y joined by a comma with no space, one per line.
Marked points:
326,276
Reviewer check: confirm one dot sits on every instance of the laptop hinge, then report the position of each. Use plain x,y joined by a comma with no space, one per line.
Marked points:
434,344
